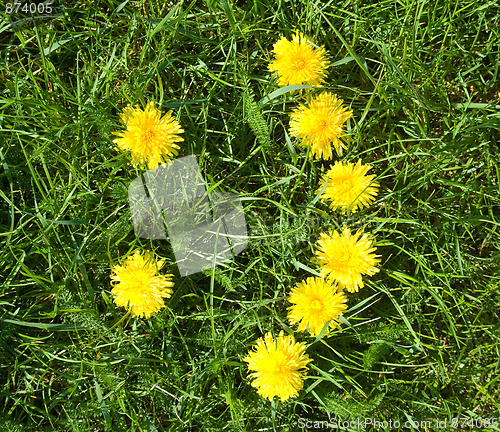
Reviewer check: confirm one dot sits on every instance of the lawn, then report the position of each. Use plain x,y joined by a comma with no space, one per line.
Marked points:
420,342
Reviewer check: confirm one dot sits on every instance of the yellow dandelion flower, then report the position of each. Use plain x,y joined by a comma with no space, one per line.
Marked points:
299,62
137,287
320,124
316,301
278,366
345,258
150,138
348,187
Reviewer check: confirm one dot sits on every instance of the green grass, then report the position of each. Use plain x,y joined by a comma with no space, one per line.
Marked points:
422,338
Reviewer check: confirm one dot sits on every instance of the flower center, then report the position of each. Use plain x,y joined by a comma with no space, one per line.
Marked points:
299,64
149,136
141,281
343,260
316,305
280,364
347,185
281,369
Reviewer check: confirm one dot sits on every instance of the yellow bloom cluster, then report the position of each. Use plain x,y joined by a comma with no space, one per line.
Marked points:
299,62
348,187
277,365
151,139
319,123
316,305
137,287
343,258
